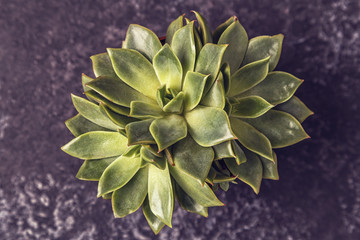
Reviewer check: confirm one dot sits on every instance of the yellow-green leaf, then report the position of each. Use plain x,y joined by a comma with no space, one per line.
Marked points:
296,108
91,170
222,27
102,65
79,125
173,27
250,107
194,84
139,133
175,105
118,119
204,28
223,150
215,97
145,110
154,222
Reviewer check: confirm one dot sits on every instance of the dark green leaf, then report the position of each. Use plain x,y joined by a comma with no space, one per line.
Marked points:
84,80
224,186
270,170
250,107
154,222
102,65
222,27
173,27
215,96
139,133
145,110
223,150
118,119
296,108
194,84
226,77
239,153
91,170
204,28
79,125
149,156
94,145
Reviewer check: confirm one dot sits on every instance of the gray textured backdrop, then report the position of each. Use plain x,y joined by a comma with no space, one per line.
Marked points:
44,48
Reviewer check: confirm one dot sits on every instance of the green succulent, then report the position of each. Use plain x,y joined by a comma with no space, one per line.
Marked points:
180,117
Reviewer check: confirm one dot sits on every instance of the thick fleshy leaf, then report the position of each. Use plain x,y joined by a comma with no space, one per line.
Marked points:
161,197
107,196
183,45
117,174
91,94
160,96
215,96
84,80
139,133
202,194
223,150
250,172
176,104
262,47
79,125
102,65
187,203
209,62
173,27
135,70
154,222
92,112
118,119
94,145
168,68
205,30
280,128
168,130
226,77
91,170
198,42
209,126
224,186
237,38
132,151
145,110
130,197
276,88
296,108
194,84
149,156
239,153
193,158
270,170
251,138
223,179
250,107
248,76
142,40
222,27
116,91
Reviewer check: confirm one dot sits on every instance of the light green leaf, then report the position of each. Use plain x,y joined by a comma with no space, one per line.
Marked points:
94,145
79,125
84,80
91,94
176,104
239,153
280,128
139,133
118,119
249,172
250,107
132,151
270,170
117,174
145,110
204,28
135,70
107,196
168,68
202,194
168,130
92,112
173,27
248,76
209,126
187,203
147,155
222,27
116,91
209,62
262,47
161,198
193,158
130,197
102,65
237,38
142,40
223,150
154,222
183,45
296,108
194,84
215,96
251,138
91,170
276,88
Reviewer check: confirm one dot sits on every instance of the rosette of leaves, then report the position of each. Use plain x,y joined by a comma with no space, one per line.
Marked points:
181,116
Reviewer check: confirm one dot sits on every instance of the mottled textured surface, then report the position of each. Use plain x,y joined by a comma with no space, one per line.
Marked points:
44,48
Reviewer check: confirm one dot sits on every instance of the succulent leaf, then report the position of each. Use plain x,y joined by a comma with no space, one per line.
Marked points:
223,150
262,47
161,198
204,28
154,222
139,133
209,126
280,128
149,156
118,119
79,125
296,108
130,197
176,104
117,174
94,145
102,65
140,109
215,96
240,156
270,170
135,70
91,170
194,84
192,158
173,27
91,94
226,77
222,27
84,80
142,40
250,107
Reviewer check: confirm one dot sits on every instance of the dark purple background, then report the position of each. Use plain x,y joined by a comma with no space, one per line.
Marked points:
44,48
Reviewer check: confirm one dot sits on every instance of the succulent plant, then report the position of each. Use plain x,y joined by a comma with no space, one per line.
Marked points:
180,116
